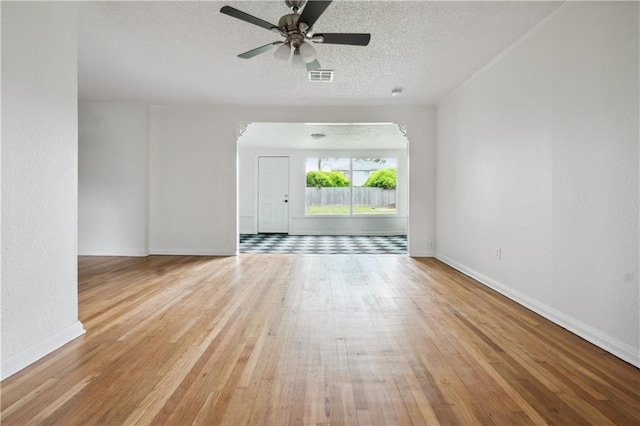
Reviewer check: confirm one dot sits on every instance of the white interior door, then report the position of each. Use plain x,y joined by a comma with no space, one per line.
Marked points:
273,194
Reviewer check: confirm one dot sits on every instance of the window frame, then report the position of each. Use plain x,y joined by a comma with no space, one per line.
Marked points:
350,177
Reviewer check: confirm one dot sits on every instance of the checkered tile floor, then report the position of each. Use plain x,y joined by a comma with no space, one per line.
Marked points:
306,244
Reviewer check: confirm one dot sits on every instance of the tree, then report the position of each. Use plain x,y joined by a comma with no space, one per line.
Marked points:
383,178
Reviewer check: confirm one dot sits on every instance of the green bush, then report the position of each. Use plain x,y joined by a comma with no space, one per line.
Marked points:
320,179
313,179
383,178
338,179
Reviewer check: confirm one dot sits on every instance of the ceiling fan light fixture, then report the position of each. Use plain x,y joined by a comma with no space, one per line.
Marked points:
297,62
307,52
283,52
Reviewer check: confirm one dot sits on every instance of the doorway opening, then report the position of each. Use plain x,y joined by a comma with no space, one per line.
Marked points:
343,186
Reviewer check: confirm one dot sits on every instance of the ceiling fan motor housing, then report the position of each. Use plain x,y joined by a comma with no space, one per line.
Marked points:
289,22
295,32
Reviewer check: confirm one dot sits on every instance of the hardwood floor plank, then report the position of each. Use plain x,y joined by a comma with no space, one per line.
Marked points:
296,339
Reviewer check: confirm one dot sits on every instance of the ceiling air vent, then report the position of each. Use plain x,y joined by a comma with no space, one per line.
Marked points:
324,76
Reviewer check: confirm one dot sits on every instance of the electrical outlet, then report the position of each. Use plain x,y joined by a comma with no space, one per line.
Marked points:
431,245
498,253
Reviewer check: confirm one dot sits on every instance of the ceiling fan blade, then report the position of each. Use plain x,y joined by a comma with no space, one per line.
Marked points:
258,50
352,39
312,11
313,66
228,10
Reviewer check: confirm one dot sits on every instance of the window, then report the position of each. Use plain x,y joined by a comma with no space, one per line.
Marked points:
374,185
350,186
328,189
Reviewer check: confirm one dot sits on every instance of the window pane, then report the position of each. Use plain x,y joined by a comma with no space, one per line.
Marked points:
327,188
374,185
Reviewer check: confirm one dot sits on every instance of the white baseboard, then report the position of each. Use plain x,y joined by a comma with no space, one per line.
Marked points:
28,356
620,349
247,225
420,253
348,225
113,252
191,252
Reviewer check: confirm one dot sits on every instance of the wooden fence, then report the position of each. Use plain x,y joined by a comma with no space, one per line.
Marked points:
362,196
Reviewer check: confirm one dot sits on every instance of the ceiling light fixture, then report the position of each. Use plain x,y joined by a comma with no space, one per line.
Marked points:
297,62
283,52
307,52
396,91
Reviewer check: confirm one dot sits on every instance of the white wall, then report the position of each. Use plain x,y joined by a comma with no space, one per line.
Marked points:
538,156
193,164
192,187
39,181
112,178
421,133
299,222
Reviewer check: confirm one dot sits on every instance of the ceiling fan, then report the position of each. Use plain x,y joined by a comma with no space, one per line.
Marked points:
297,30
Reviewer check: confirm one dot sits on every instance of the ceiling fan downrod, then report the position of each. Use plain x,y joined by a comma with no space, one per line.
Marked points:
294,5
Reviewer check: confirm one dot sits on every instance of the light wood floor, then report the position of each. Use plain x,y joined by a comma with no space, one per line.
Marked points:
280,339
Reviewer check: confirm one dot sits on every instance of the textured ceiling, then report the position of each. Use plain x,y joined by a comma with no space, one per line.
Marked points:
337,136
185,52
